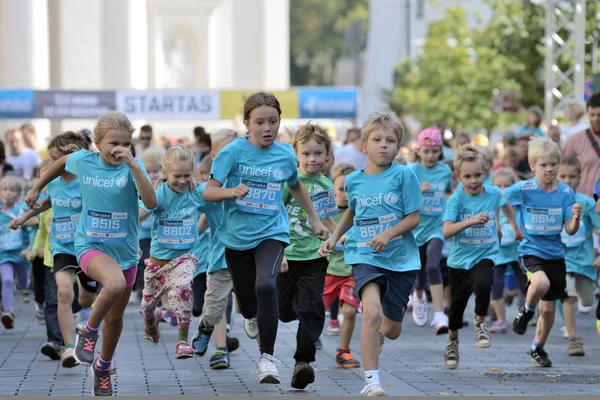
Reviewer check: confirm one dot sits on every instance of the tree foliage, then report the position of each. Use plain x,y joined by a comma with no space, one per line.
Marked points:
322,31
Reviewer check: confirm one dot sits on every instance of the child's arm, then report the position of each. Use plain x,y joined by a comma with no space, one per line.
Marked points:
572,225
54,171
407,224
301,195
21,221
425,186
510,216
346,223
143,215
451,229
202,224
330,224
214,192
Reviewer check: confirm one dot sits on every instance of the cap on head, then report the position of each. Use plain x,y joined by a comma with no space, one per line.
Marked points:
429,137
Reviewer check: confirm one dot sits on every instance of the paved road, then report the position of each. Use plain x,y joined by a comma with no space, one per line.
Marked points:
412,365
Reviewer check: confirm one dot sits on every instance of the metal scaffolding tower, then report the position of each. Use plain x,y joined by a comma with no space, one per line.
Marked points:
565,44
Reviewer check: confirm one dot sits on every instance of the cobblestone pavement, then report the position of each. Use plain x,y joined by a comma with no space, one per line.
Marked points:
412,365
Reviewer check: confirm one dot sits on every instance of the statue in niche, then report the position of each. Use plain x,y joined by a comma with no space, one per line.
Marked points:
179,65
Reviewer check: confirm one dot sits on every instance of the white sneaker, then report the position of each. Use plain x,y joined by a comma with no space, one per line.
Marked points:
373,389
251,327
409,305
267,369
419,312
565,333
440,322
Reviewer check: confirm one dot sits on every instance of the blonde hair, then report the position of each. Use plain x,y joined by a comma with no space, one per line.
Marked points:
113,120
540,146
577,108
488,156
13,131
467,153
221,136
70,142
505,173
286,135
400,159
174,155
310,131
13,181
205,165
152,156
342,170
382,120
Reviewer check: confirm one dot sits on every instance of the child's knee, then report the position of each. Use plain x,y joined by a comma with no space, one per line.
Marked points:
392,331
372,314
348,311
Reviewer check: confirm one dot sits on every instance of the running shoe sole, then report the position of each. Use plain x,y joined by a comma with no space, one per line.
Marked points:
51,352
303,377
8,322
69,362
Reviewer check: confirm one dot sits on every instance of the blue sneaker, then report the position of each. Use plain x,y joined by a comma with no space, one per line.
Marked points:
220,359
201,339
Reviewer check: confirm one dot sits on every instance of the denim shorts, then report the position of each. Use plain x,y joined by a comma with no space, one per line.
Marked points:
396,287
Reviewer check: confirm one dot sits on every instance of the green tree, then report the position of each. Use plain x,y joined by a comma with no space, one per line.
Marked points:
454,78
322,31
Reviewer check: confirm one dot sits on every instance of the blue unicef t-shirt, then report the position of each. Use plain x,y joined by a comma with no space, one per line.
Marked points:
509,247
525,130
65,198
580,247
434,200
541,216
261,214
109,215
174,223
146,225
33,230
12,242
214,215
477,242
380,202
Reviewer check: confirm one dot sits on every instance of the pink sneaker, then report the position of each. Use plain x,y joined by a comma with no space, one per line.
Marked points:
499,327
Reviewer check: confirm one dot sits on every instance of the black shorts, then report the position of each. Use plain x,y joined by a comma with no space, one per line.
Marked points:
67,261
555,270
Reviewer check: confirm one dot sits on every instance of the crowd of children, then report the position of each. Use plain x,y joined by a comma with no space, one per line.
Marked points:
272,228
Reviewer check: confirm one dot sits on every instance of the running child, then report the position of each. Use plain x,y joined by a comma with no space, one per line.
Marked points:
471,219
106,239
63,195
13,244
579,257
544,206
249,175
339,283
302,279
435,178
384,201
508,257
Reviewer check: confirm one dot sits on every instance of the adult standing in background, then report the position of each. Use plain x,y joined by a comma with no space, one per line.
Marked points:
145,140
352,152
535,116
29,135
23,159
574,111
585,146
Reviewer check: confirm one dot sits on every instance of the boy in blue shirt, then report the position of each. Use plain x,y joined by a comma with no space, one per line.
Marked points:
384,201
597,261
471,219
543,205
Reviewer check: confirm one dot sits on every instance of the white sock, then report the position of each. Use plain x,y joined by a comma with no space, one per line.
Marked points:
372,377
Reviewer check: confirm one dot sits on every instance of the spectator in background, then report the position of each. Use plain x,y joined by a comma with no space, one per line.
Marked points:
462,139
23,159
29,135
203,144
352,152
555,134
447,137
523,169
5,168
574,111
533,122
510,160
145,140
586,147
286,135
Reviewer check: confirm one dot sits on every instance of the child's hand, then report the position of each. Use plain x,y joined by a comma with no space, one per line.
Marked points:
31,199
320,230
479,219
425,186
342,240
123,154
519,235
577,211
380,242
240,191
284,266
326,248
596,263
15,223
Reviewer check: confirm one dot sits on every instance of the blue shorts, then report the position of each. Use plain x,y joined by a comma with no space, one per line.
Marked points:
396,287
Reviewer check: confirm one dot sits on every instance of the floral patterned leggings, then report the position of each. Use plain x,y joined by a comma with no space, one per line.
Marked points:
175,279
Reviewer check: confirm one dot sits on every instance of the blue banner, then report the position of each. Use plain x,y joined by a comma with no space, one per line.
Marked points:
328,102
16,104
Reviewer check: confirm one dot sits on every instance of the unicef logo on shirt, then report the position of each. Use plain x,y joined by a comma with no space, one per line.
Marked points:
76,203
390,198
277,173
122,182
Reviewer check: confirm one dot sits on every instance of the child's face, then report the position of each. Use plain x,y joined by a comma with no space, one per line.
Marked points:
503,182
569,175
113,138
545,168
429,155
153,170
312,156
510,161
523,149
341,198
14,142
9,194
382,147
179,176
54,154
472,175
263,126
203,176
326,170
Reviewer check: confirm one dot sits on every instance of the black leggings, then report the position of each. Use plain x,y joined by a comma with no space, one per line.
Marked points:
199,289
499,271
254,273
463,283
430,254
